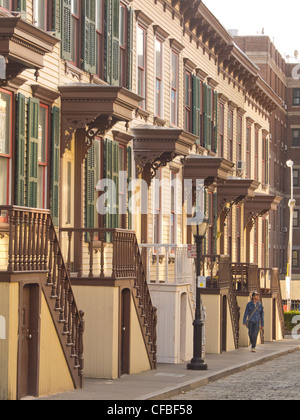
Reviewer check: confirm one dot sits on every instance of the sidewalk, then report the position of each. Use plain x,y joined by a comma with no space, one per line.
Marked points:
171,380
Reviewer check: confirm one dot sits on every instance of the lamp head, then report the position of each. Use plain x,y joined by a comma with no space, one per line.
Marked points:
199,227
289,163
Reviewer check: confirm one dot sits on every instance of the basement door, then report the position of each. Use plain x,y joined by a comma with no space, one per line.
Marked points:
28,375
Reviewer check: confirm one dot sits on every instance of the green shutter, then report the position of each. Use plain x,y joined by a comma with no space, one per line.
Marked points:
129,177
215,236
66,30
21,5
108,175
20,151
130,48
89,36
108,42
32,152
115,178
196,107
205,115
206,216
55,165
216,125
57,21
90,202
115,31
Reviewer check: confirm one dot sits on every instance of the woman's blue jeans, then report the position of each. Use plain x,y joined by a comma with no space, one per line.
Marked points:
253,333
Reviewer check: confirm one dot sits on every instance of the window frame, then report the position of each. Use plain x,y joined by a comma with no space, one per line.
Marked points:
295,140
174,89
296,98
8,156
124,47
76,32
188,107
159,79
157,216
221,128
230,134
142,71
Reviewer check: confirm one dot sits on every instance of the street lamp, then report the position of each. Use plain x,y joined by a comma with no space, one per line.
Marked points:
199,228
292,203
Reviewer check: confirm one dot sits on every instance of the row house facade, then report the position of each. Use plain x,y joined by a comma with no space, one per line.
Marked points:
117,120
283,78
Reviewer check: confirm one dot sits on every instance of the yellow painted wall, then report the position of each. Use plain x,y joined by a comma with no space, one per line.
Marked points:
230,346
139,361
101,313
9,309
54,374
267,304
212,323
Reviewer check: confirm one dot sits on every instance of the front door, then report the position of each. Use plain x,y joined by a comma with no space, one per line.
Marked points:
125,331
29,341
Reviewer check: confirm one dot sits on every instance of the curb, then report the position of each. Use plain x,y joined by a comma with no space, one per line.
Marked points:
198,383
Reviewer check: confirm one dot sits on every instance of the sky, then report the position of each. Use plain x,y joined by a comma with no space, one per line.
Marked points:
279,19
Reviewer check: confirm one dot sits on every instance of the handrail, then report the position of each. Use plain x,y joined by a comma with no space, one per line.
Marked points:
34,247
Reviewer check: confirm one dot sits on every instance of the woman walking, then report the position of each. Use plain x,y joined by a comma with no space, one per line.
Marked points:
254,319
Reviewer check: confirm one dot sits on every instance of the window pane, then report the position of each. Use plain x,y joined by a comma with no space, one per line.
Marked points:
99,18
141,47
174,72
5,110
158,50
122,26
40,14
40,188
3,180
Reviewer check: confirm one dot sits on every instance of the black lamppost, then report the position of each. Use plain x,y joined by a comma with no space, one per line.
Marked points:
197,362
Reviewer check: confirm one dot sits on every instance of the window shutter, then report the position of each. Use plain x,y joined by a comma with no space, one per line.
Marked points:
56,27
129,177
215,236
216,126
55,165
208,118
206,216
22,5
66,29
89,36
90,202
32,152
20,146
206,130
196,106
108,41
130,48
267,161
115,31
115,178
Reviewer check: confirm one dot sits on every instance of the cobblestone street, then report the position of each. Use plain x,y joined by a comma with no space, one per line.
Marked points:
278,379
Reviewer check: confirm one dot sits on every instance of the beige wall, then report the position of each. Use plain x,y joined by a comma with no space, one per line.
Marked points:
101,312
212,323
54,374
9,309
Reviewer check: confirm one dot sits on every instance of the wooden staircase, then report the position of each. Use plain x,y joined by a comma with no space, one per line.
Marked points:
34,248
114,254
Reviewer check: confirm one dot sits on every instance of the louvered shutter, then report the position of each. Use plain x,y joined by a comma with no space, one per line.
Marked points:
66,32
115,178
115,31
89,36
216,122
108,42
55,165
196,107
32,152
108,176
57,18
22,5
20,150
130,48
90,188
